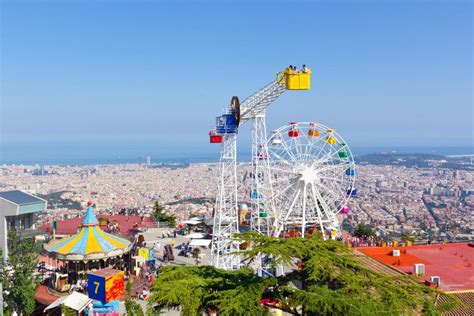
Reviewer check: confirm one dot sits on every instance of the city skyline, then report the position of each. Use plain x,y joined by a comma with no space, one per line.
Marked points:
121,72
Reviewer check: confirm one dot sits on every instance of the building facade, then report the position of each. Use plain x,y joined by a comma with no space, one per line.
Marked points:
18,211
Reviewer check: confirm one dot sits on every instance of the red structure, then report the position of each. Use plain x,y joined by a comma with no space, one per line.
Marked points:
215,138
452,263
128,224
106,285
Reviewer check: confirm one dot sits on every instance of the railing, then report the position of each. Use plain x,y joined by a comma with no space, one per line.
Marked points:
29,233
281,78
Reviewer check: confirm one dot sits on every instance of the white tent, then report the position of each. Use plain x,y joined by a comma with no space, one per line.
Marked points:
76,301
197,218
192,222
200,242
195,236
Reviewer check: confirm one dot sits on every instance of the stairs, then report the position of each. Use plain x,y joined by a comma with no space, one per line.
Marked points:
377,266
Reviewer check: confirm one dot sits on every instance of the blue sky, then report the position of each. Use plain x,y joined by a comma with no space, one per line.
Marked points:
391,73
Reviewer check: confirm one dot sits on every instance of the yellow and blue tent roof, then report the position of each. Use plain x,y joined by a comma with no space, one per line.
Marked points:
90,239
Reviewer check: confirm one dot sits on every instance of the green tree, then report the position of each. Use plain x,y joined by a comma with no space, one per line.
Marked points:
131,306
197,289
363,231
407,237
160,215
67,311
330,280
19,281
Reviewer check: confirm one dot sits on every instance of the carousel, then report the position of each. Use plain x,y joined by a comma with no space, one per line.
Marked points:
90,249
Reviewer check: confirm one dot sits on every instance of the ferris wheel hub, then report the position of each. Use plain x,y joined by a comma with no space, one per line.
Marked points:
307,174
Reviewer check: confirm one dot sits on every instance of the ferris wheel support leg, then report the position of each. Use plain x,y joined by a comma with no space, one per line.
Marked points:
303,222
260,167
318,210
226,213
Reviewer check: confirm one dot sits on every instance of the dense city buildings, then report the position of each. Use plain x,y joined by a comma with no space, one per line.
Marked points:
428,200
429,203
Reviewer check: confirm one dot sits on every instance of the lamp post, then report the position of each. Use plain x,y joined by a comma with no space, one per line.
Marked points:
2,263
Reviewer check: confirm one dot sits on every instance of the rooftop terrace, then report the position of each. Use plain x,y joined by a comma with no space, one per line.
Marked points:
453,263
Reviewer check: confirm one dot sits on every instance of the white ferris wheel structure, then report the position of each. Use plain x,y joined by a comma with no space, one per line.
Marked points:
310,181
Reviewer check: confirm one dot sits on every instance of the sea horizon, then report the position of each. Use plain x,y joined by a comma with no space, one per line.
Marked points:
86,153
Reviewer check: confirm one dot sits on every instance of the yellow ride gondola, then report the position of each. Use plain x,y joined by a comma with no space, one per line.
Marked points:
295,80
330,139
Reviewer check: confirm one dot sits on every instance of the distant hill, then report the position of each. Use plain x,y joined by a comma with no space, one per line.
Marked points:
56,201
414,160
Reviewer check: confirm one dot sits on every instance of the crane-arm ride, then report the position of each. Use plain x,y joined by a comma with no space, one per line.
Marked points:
226,221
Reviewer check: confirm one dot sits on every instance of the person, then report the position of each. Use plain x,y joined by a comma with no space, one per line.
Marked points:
304,69
144,294
295,71
172,243
289,70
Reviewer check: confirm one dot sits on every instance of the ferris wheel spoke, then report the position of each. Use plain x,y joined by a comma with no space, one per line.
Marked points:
333,167
332,155
303,215
285,171
322,148
326,209
276,195
321,199
330,193
300,141
288,151
292,204
332,179
279,158
329,156
307,147
287,179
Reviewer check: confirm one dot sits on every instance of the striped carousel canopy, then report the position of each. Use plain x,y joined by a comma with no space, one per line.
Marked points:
91,242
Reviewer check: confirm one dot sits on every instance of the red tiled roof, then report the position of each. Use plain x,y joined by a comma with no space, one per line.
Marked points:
467,298
453,263
70,226
43,296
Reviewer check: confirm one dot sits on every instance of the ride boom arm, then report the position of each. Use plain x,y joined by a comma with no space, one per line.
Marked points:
260,100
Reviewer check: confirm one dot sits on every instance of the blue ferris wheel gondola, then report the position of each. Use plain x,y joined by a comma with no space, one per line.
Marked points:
255,195
350,172
352,192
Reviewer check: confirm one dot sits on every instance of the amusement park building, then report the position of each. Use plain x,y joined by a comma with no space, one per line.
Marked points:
17,211
89,243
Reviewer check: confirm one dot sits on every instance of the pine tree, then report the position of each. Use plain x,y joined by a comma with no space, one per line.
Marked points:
131,306
363,231
160,215
19,281
326,278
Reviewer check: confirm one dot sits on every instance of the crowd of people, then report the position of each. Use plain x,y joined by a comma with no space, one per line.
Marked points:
113,228
293,70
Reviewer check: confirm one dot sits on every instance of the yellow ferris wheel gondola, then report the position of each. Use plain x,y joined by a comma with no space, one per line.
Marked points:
330,139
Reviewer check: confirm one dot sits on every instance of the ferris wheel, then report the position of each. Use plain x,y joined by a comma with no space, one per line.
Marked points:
310,180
